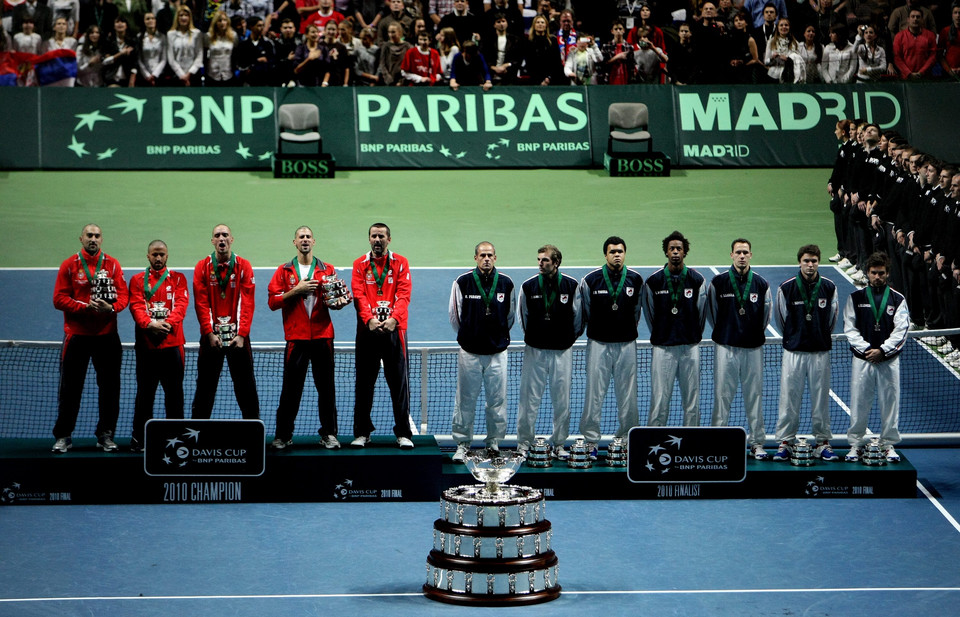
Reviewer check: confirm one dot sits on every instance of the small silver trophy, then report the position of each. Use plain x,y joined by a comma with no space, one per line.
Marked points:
539,455
334,289
225,330
579,456
873,453
158,311
802,455
617,453
103,288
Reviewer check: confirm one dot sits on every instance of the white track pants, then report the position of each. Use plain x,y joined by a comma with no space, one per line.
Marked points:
606,360
540,367
474,371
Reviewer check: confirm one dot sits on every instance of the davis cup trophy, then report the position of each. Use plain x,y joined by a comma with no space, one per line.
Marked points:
491,544
225,329
104,288
334,290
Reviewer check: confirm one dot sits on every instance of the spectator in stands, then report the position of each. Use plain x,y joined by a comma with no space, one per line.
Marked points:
90,333
611,312
286,50
649,59
900,17
40,16
367,13
725,14
132,10
220,45
306,8
337,58
673,300
151,53
839,64
511,10
871,56
421,64
708,46
398,15
59,40
949,44
805,312
464,23
256,57
768,27
782,56
185,49
682,67
811,51
119,56
583,61
350,43
324,15
482,311
743,56
619,65
90,60
158,331
541,58
502,50
239,25
6,43
566,35
391,55
436,10
284,10
825,17
27,41
368,59
166,16
915,49
223,296
70,10
470,69
757,10
308,60
645,19
448,47
876,323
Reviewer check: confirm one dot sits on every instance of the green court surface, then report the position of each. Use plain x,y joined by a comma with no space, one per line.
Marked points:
436,216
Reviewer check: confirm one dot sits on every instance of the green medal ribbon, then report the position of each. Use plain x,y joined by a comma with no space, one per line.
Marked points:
313,269
222,282
741,297
808,301
383,276
149,291
487,297
83,262
878,311
675,293
548,298
615,294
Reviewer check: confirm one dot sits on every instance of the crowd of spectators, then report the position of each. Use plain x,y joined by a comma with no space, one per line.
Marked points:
491,42
887,195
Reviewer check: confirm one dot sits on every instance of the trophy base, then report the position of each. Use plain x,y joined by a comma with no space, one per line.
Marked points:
464,599
492,582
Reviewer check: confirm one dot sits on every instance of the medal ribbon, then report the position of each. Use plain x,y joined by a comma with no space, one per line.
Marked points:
548,298
741,297
222,282
313,269
606,278
878,311
675,293
86,270
148,291
808,302
382,277
487,297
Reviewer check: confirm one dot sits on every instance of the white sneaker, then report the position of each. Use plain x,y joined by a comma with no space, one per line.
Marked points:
281,444
936,341
891,454
853,455
945,348
835,258
758,452
853,270
953,355
61,445
461,452
330,442
560,453
844,263
404,443
955,363
360,441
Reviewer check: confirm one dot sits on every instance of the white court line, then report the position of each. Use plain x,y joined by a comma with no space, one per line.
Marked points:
938,506
310,596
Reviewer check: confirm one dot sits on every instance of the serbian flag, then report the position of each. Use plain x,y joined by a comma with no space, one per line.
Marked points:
54,68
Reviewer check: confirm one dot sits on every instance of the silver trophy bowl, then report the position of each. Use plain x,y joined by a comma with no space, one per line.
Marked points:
493,469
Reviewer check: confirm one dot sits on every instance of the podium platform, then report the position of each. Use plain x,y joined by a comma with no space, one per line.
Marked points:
31,474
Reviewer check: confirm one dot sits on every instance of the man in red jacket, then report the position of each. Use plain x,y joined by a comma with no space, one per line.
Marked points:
223,288
297,289
90,290
158,303
381,287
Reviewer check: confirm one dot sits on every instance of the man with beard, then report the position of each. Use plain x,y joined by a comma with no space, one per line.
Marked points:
381,288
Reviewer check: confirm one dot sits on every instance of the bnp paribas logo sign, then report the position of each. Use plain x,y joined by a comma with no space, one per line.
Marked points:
772,110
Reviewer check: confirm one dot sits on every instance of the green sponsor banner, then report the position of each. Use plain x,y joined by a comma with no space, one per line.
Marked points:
505,127
776,125
139,128
19,128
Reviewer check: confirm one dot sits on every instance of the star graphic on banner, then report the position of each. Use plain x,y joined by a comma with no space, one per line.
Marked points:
348,482
492,146
460,155
166,459
445,151
129,104
674,440
172,442
90,119
77,147
504,141
243,150
192,434
649,466
489,156
106,154
16,485
655,448
265,156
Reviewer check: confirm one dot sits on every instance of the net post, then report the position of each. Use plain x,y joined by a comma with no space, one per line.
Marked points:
424,395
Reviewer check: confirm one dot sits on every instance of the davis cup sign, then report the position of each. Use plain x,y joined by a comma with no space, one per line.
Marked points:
664,455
